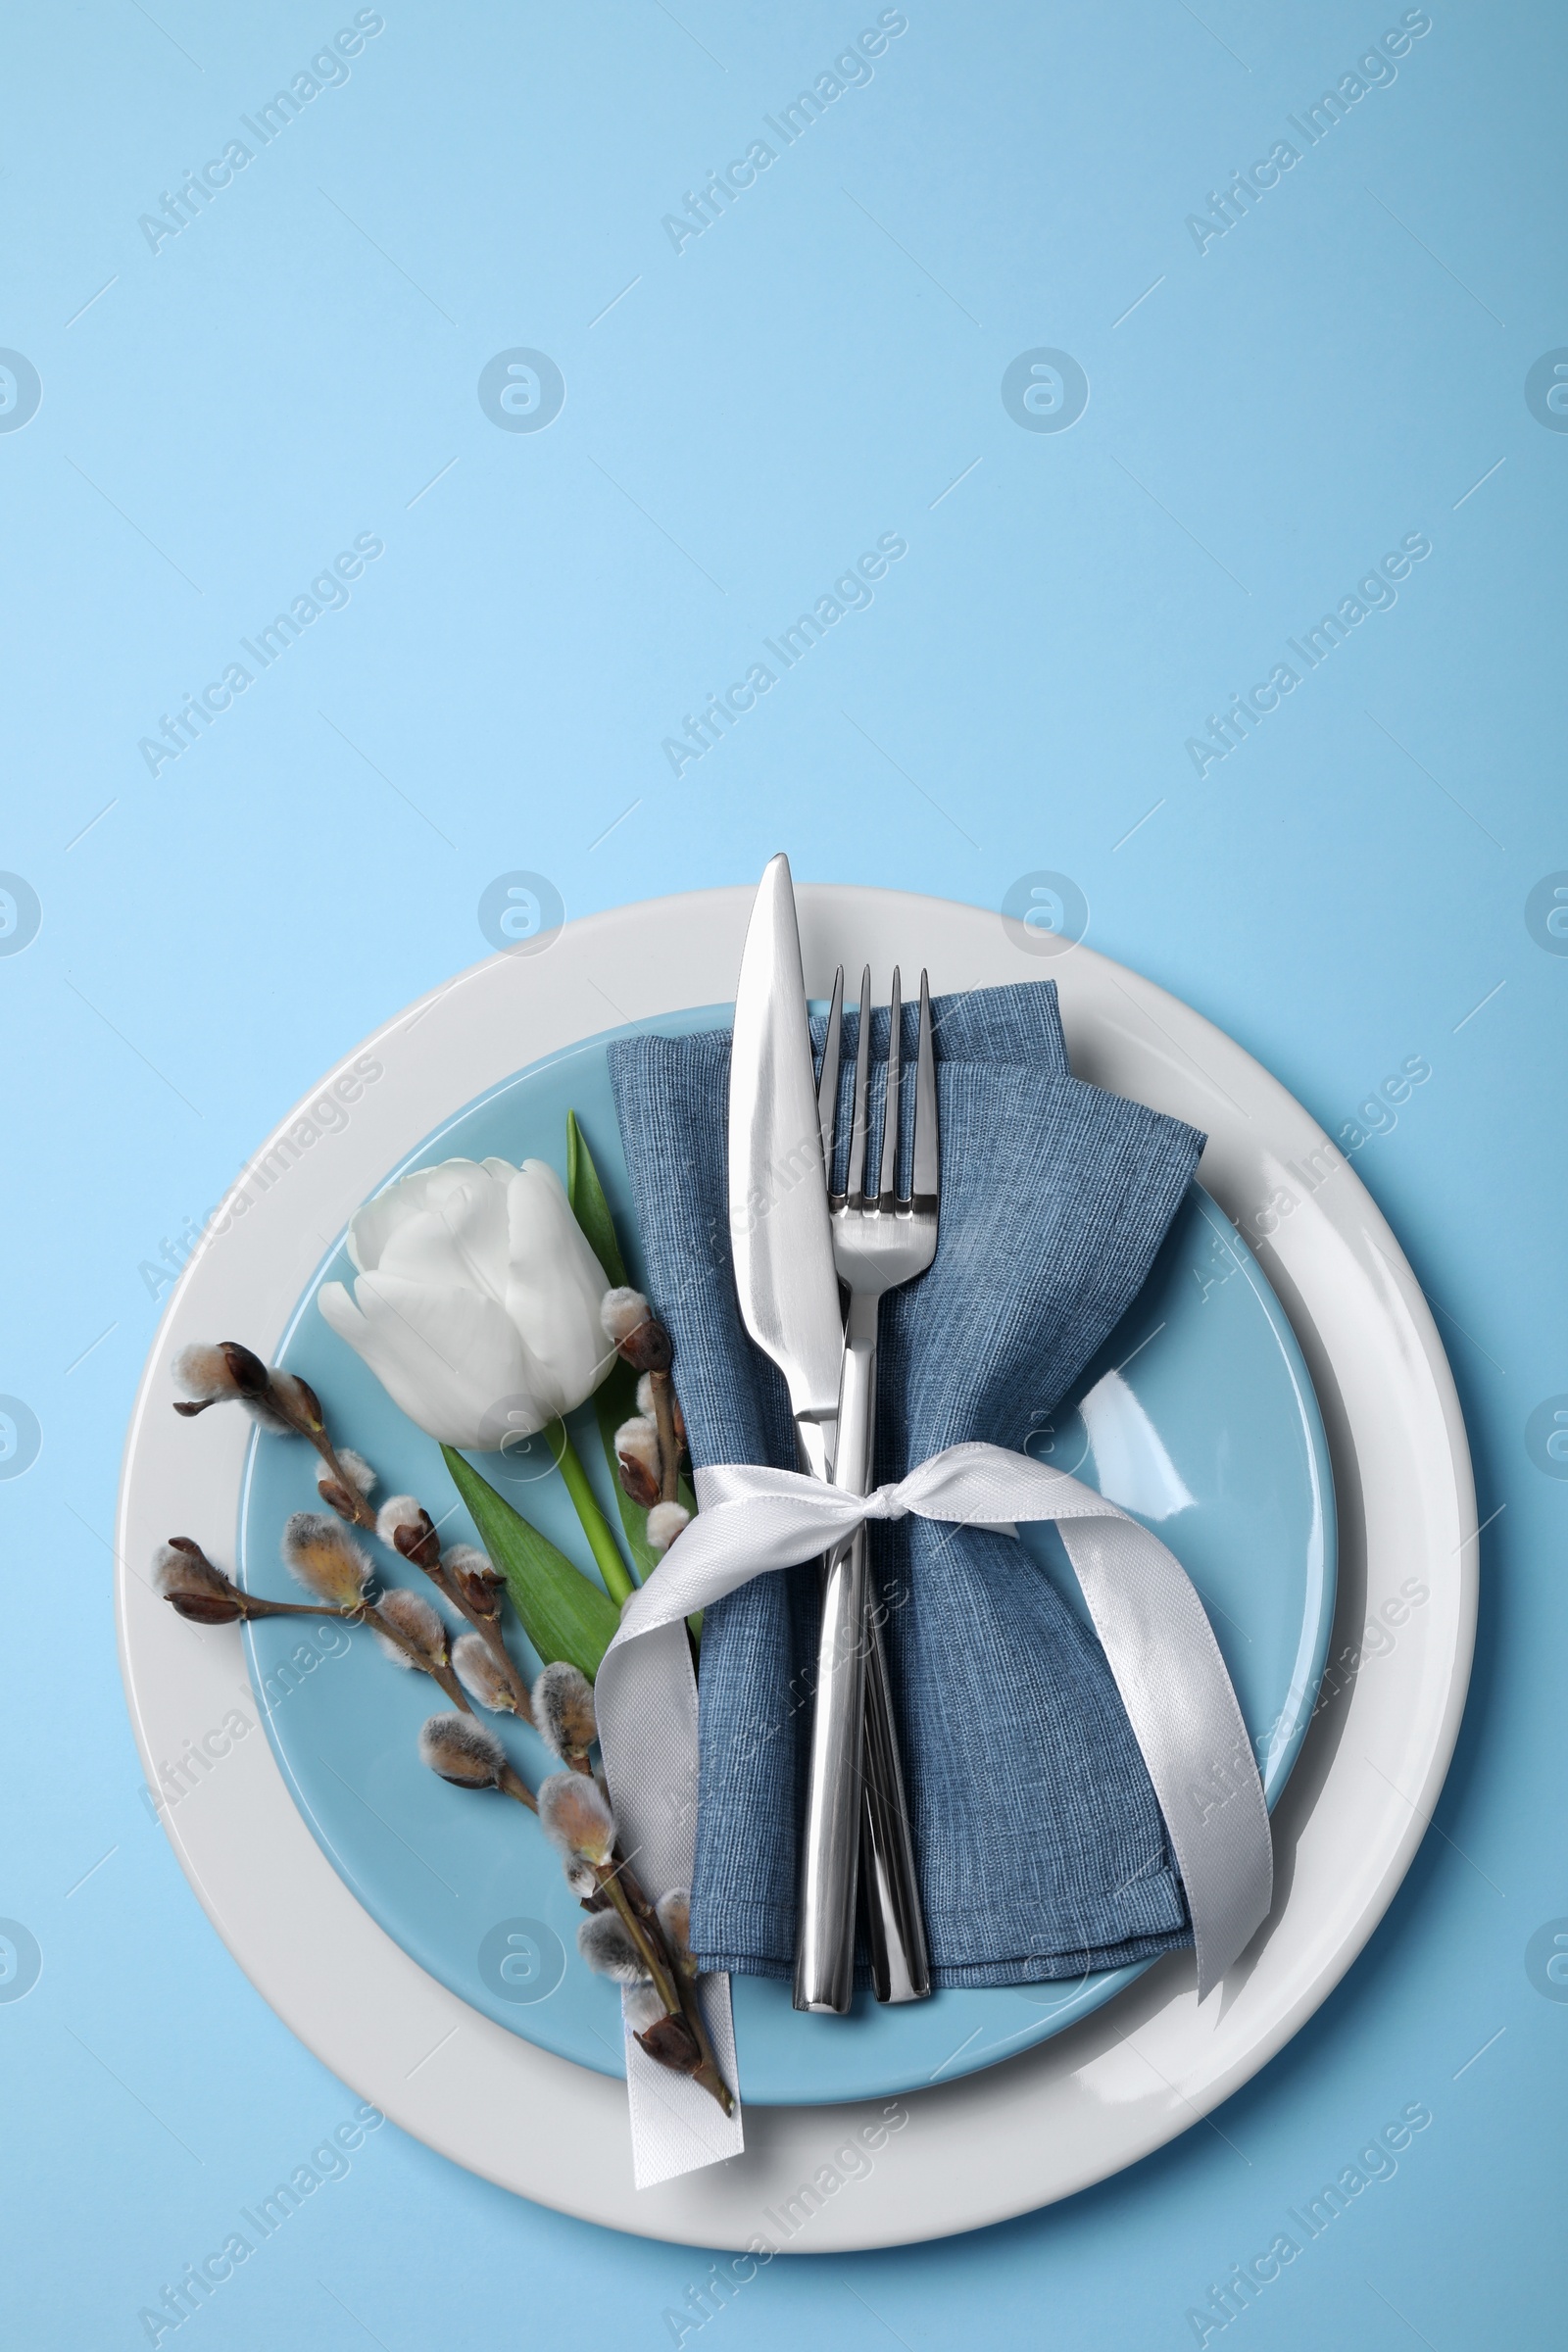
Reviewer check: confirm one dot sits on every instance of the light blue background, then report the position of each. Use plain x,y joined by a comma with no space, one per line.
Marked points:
1346,891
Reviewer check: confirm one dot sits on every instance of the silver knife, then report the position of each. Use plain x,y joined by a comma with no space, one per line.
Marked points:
779,1228
789,1299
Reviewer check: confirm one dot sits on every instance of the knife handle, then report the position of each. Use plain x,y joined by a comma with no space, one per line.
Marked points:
824,1938
824,1943
895,1927
854,1777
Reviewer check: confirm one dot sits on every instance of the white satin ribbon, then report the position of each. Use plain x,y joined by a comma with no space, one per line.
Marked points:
1152,1624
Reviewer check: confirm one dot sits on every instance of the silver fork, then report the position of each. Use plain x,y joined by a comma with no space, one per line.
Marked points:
880,1241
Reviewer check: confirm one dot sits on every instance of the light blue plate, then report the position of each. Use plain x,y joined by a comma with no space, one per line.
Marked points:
1198,1417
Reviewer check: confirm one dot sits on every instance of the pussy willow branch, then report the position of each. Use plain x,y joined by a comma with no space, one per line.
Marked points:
709,2072
299,1408
668,1446
215,1597
487,1626
224,1602
308,1420
489,1630
674,1987
446,1675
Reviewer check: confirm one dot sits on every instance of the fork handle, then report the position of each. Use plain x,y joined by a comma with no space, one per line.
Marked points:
890,1884
895,1925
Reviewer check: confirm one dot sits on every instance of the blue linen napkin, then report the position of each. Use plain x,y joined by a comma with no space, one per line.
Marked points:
1040,1846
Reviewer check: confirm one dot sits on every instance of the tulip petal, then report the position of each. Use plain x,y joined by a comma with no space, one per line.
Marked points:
340,1312
473,1208
373,1223
556,1288
450,1360
422,1250
477,1300
377,1219
457,1243
424,1191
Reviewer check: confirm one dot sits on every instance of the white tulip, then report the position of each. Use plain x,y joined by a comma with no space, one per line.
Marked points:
478,1300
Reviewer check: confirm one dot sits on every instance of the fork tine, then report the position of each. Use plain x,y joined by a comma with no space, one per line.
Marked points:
926,1180
887,1183
827,1089
855,1179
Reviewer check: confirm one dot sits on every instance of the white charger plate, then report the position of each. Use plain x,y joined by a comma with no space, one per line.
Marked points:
1128,2079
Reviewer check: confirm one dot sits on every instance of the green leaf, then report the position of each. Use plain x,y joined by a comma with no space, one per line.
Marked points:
616,1397
590,1207
562,1614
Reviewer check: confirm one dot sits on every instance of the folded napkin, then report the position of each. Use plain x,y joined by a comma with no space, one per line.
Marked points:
1040,1846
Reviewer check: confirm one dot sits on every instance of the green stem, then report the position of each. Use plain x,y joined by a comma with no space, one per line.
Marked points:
594,1526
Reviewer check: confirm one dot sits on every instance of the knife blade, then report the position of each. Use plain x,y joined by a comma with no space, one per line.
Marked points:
780,1233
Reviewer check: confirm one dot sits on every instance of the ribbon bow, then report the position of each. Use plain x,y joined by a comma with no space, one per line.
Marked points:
1157,1642
1152,1624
